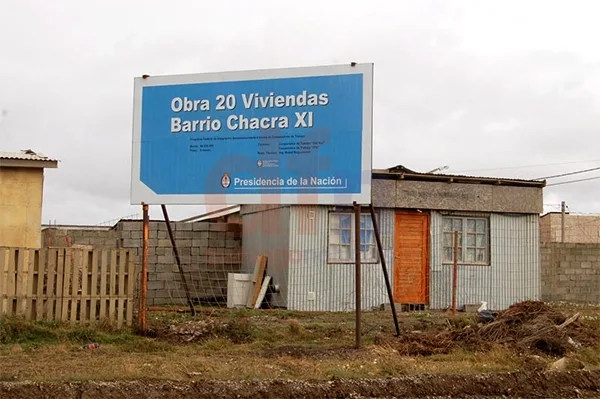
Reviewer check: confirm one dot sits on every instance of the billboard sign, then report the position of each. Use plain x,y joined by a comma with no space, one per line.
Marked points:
277,136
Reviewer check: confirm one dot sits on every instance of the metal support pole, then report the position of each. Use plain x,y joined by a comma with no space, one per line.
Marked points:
455,274
357,271
178,259
384,267
144,276
563,209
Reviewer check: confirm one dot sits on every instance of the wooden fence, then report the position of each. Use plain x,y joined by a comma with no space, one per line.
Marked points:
68,285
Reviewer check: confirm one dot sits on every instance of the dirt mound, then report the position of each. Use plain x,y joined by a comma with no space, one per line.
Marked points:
522,385
528,326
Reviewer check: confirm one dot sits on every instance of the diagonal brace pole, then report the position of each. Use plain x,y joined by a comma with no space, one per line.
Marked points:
183,280
384,267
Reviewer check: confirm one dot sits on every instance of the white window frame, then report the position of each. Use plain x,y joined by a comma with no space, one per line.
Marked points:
369,252
476,229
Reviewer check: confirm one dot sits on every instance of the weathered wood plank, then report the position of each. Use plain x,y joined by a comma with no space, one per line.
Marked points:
41,272
31,289
76,261
60,274
3,280
51,284
121,287
130,287
85,294
11,281
113,286
66,278
94,287
103,295
20,294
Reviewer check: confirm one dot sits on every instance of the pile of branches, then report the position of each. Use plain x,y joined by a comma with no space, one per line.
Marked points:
529,326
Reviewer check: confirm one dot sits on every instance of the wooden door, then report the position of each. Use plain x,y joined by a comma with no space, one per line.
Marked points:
411,258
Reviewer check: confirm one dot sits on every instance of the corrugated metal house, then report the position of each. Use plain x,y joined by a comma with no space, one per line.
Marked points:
311,254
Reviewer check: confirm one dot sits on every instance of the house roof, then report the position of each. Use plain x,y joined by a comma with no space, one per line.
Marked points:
213,214
26,158
401,172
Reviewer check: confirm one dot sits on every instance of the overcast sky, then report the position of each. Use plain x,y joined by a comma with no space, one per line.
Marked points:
484,87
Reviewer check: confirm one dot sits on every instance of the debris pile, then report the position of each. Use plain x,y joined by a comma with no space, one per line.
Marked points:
529,326
192,331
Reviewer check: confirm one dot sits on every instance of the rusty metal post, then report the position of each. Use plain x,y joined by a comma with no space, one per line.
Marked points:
176,253
358,273
144,276
455,274
384,267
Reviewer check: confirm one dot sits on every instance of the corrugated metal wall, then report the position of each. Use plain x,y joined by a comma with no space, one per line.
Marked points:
514,274
266,232
332,284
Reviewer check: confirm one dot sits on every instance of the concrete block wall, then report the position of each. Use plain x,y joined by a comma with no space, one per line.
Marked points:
59,237
208,252
570,272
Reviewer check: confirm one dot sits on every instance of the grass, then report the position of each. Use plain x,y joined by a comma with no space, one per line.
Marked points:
247,344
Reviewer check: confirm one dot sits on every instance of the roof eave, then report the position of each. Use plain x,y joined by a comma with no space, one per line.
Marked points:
384,174
28,163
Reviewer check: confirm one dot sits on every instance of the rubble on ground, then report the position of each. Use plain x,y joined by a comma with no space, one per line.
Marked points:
529,326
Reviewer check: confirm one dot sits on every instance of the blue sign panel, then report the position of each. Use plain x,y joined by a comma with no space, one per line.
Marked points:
297,136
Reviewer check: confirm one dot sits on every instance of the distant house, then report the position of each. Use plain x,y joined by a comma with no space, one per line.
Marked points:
580,229
21,194
311,250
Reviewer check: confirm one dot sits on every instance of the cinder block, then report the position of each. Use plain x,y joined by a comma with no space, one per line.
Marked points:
153,243
166,259
201,226
131,243
200,242
183,234
183,243
216,235
586,265
153,234
128,226
201,235
136,234
232,243
218,226
163,234
185,251
203,251
164,243
216,243
184,226
156,285
154,225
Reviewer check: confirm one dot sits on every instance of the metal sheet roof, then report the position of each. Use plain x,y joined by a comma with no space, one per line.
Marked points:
26,155
401,172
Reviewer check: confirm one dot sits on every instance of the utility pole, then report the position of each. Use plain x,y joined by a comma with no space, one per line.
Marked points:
563,208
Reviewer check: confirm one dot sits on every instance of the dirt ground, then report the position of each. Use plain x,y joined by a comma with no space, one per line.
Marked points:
580,384
275,353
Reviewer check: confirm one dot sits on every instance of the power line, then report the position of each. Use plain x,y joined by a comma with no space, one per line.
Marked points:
527,166
573,181
568,174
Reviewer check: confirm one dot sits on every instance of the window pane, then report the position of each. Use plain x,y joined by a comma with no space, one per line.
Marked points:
481,240
447,224
345,237
481,255
345,221
470,240
470,254
448,254
481,225
345,253
460,256
334,252
448,239
334,221
334,237
460,240
471,225
457,224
